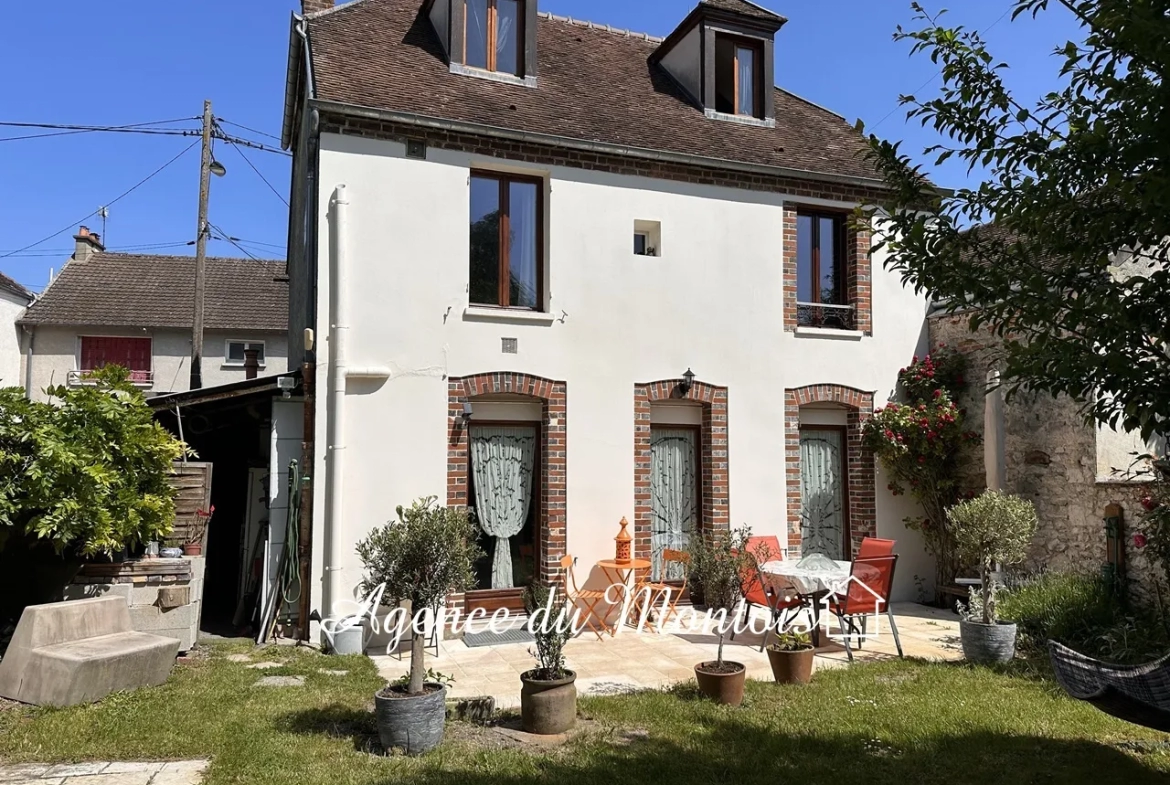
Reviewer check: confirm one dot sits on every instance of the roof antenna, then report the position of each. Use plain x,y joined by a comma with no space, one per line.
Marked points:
104,213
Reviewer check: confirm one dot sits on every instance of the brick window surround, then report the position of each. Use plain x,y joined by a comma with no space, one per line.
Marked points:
857,271
552,396
859,467
713,455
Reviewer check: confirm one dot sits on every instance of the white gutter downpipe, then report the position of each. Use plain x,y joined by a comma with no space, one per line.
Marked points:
335,430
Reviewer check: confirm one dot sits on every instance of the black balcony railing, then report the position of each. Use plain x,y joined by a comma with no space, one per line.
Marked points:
823,315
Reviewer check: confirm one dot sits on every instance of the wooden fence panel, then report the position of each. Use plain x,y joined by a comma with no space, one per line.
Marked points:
192,480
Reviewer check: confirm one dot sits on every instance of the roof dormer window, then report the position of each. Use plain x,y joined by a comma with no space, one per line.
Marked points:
738,76
494,35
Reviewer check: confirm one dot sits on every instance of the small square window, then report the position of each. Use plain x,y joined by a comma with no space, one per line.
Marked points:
647,238
234,355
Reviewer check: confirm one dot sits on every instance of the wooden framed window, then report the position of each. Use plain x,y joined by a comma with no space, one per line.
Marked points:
739,76
821,285
493,35
507,241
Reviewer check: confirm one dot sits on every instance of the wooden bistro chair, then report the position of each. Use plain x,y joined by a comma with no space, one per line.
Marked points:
589,599
767,591
873,546
664,589
868,593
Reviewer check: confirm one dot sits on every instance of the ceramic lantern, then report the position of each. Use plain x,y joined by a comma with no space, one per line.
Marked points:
624,544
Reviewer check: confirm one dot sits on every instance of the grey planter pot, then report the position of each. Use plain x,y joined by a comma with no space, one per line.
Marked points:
351,640
548,707
986,644
412,724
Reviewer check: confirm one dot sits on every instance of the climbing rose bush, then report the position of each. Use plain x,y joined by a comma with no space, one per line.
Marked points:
918,442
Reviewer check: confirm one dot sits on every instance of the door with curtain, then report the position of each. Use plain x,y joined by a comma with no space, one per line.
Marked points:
674,494
824,527
504,498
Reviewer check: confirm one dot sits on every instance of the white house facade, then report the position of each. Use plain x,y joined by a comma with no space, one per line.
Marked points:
588,313
14,298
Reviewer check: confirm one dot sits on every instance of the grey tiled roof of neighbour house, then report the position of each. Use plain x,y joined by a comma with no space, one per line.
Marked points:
594,84
146,290
12,287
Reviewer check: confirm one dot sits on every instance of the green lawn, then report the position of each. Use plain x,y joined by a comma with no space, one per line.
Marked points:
895,722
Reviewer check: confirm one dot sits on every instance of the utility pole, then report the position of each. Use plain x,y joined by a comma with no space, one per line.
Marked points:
201,253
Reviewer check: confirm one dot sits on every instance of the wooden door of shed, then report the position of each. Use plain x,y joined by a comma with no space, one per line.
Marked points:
192,480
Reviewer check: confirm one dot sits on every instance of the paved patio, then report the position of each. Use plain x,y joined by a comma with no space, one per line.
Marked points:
179,772
630,661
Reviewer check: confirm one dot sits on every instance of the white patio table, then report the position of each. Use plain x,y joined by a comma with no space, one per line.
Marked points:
812,577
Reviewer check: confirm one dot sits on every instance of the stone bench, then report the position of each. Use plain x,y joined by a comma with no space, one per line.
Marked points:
65,653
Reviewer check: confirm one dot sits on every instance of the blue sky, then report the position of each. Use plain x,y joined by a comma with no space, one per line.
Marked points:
134,61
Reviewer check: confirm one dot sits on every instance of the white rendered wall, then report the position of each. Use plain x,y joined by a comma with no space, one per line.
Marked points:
11,307
57,351
712,303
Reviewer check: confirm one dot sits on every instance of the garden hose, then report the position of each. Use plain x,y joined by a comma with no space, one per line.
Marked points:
292,565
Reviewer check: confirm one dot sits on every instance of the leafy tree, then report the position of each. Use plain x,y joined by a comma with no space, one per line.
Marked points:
88,474
993,528
1069,265
428,553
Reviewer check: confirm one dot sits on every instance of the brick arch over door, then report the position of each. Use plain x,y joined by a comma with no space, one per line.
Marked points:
713,454
552,396
858,407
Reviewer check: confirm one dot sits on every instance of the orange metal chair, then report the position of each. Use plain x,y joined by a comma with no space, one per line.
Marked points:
588,598
868,593
658,590
872,546
768,591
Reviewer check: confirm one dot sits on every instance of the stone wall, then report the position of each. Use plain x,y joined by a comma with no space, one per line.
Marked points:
1051,457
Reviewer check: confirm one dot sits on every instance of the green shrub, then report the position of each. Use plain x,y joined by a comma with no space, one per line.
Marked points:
1081,611
993,528
89,473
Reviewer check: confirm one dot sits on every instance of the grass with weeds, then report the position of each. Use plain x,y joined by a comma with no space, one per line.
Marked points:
890,722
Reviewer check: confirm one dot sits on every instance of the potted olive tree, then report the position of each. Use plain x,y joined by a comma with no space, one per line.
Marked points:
722,557
791,657
422,557
994,528
548,692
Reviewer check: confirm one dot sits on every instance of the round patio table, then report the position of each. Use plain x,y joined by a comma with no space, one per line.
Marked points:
622,574
812,582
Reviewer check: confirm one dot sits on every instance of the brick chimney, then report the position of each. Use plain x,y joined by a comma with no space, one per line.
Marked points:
87,244
314,6
251,363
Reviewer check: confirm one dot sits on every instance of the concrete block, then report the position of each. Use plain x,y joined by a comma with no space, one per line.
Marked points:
86,591
149,618
67,653
172,597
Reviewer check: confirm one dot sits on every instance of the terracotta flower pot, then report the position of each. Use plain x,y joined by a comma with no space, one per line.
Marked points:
722,685
193,549
791,667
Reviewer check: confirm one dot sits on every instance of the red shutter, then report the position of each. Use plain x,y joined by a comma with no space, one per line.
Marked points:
131,353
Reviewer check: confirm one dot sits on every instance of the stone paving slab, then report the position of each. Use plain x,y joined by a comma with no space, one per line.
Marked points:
183,772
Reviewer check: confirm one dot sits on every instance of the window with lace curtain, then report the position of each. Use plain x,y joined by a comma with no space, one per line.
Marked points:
494,35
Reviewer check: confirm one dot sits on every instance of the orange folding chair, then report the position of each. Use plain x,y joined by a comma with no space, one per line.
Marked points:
771,592
589,599
868,594
672,592
872,546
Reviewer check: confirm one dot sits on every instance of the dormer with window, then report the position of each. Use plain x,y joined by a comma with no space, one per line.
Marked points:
722,55
491,39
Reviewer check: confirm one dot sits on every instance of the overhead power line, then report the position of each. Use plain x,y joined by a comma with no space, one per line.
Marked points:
259,174
246,128
64,129
225,236
119,197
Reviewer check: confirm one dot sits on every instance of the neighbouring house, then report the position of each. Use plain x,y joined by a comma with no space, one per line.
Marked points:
14,298
136,310
565,274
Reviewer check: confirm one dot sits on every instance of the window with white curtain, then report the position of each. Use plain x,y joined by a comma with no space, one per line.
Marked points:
493,35
739,78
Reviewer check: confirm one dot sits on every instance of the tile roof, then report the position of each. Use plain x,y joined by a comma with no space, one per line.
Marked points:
594,84
11,286
145,290
743,7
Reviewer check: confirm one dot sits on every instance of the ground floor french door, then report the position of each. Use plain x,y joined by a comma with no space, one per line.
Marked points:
674,493
824,525
504,498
